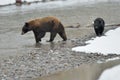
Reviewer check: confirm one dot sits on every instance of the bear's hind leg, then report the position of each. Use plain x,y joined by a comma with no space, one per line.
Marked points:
63,35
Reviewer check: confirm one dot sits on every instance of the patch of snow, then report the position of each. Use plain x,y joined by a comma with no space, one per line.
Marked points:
112,59
3,2
105,44
111,74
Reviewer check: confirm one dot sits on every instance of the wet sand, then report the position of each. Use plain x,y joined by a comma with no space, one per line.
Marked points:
24,56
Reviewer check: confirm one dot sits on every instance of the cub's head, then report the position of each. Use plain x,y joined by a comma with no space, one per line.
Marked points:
26,28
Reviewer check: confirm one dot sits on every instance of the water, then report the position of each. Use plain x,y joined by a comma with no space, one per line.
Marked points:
5,2
12,18
96,71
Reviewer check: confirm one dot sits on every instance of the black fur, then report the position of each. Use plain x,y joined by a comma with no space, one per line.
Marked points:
99,25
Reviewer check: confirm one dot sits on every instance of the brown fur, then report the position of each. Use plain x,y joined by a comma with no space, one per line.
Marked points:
43,25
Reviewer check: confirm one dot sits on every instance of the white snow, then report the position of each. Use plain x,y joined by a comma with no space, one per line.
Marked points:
3,2
111,74
112,59
105,44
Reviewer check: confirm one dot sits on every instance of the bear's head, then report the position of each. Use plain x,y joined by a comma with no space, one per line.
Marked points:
26,28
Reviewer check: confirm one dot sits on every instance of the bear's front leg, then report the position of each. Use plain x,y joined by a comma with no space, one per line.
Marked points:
39,36
36,37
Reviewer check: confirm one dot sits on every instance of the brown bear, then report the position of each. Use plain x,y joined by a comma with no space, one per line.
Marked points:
42,25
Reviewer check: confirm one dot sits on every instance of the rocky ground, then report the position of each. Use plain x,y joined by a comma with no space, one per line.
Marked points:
41,63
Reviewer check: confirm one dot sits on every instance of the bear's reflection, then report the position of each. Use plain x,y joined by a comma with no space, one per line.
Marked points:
51,45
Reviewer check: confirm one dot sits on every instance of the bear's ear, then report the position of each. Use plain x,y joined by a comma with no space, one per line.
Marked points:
26,24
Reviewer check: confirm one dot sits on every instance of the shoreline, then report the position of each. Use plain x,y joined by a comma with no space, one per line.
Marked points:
42,63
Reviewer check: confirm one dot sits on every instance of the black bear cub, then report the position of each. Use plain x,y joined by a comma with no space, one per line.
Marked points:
99,25
42,25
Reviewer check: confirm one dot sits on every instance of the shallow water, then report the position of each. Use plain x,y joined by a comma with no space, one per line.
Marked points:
84,72
12,19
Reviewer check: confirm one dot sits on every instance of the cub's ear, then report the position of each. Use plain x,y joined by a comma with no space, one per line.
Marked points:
26,24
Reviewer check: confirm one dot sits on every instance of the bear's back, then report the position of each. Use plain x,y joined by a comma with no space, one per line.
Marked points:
41,21
49,18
